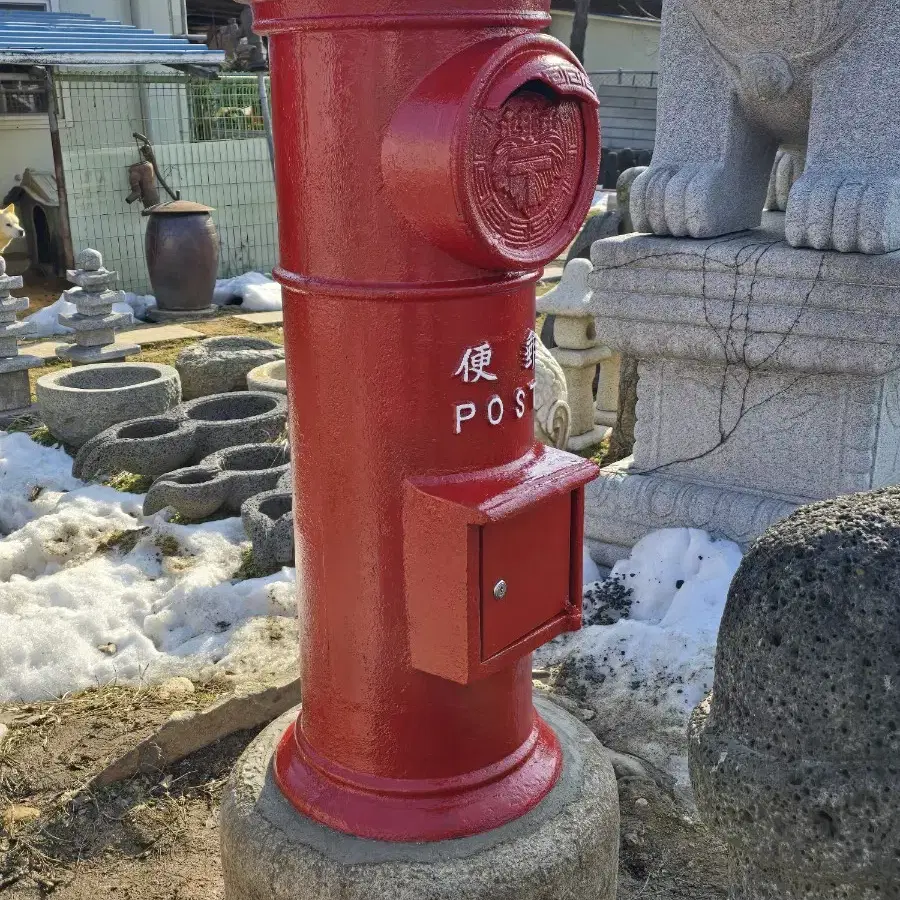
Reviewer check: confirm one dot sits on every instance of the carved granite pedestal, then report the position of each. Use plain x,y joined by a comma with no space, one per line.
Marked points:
768,379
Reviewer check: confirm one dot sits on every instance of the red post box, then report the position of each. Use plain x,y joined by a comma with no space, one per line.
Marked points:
431,156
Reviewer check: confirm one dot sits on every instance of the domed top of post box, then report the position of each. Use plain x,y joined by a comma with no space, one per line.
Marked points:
289,15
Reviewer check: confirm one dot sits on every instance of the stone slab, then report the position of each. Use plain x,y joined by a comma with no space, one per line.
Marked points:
79,323
8,416
189,731
159,334
272,317
565,848
145,336
79,355
44,350
10,283
749,298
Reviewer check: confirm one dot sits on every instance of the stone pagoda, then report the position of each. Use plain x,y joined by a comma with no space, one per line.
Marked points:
94,323
15,393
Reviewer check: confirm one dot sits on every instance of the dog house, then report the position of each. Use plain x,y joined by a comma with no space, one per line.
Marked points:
34,44
36,197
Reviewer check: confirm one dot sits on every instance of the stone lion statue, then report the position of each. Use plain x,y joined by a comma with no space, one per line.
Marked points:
741,78
552,416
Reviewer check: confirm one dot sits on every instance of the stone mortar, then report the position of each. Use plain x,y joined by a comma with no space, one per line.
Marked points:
77,404
564,849
269,522
221,482
794,761
221,364
187,434
269,377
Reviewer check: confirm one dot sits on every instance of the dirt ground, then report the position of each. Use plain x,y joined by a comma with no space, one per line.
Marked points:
42,290
156,837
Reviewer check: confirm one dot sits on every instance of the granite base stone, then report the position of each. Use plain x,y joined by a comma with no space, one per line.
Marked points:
88,354
564,849
624,505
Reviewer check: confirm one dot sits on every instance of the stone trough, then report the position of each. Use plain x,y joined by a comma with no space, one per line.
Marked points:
269,522
221,482
221,364
187,434
77,404
269,377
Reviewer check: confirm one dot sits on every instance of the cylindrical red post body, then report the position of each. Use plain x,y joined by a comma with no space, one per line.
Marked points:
380,312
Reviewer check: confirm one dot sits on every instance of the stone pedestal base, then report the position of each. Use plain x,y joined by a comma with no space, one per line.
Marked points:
15,391
623,506
566,847
155,314
768,378
80,355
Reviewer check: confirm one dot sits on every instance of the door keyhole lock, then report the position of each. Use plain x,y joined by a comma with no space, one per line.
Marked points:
500,589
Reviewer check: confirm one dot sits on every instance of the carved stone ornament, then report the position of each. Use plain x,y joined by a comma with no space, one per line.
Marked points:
771,73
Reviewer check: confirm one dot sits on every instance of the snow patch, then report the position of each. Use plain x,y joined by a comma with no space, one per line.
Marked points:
92,592
645,673
45,322
256,291
31,480
253,291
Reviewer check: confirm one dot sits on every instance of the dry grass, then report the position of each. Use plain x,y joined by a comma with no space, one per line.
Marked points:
50,755
166,353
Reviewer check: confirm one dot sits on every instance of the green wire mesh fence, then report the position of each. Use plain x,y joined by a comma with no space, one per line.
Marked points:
210,143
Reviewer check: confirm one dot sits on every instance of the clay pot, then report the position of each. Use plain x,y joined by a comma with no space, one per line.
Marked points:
182,248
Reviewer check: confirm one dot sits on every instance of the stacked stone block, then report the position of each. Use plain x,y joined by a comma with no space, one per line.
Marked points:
94,323
15,393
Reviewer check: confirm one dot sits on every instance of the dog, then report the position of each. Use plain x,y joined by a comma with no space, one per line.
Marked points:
10,228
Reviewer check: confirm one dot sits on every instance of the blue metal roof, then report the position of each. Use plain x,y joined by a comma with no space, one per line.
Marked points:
35,37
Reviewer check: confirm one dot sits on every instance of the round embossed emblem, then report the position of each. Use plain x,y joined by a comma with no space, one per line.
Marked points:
526,169
494,156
